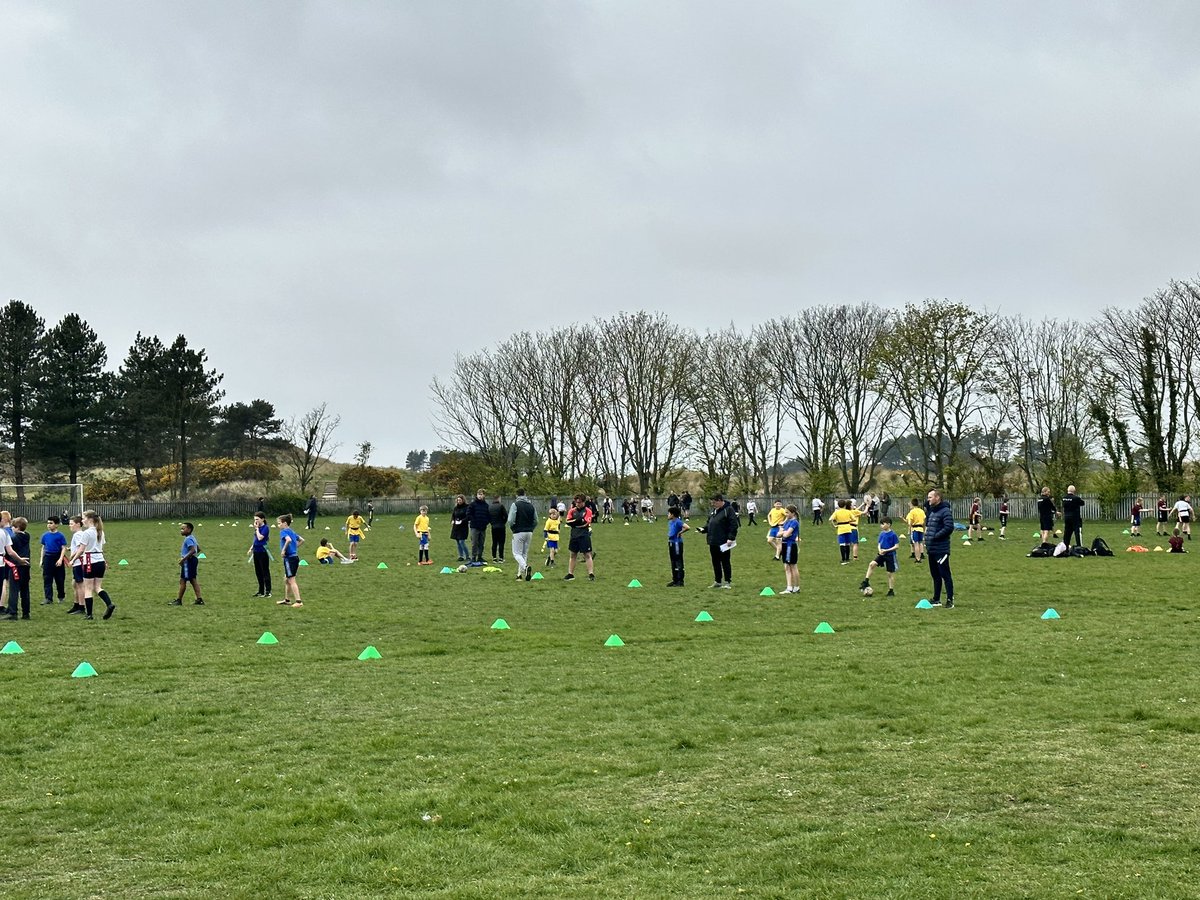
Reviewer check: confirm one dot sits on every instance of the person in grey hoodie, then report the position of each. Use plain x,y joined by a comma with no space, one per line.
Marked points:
522,517
939,528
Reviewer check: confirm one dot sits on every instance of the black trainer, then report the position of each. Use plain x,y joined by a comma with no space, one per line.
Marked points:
591,576
176,603
949,604
568,577
528,572
112,608
198,602
864,585
75,610
891,593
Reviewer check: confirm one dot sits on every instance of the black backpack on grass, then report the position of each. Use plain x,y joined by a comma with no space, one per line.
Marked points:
1100,547
1041,551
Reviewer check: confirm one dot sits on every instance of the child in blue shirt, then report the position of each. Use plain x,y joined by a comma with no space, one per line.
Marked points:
189,565
675,529
261,556
289,549
54,555
888,542
789,534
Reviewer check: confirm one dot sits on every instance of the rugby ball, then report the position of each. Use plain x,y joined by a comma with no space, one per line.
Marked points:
462,568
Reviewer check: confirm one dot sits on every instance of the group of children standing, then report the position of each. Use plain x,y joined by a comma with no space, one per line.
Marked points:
83,554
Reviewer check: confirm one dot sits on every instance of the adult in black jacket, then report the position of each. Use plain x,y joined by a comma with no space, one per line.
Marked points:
479,515
939,528
1072,517
311,511
721,528
459,527
1046,513
499,521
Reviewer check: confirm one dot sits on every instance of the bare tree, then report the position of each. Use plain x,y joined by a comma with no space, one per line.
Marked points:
309,442
646,390
1044,371
934,357
794,351
481,407
1149,359
859,404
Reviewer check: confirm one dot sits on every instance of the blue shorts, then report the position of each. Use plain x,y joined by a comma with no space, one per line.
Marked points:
354,538
773,531
327,561
424,540
848,538
917,536
291,565
187,569
854,536
789,554
551,545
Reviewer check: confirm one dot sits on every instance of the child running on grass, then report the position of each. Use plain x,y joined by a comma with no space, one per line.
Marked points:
421,530
189,564
789,534
289,549
888,542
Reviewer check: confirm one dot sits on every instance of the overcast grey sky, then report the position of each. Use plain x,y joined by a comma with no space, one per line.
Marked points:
333,197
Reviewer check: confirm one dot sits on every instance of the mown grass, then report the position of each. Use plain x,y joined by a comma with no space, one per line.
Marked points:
975,752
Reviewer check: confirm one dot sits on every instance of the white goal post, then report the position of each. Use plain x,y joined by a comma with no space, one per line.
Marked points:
37,501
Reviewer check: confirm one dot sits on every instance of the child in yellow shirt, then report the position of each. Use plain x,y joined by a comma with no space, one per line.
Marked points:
843,520
327,553
550,533
421,530
916,528
354,531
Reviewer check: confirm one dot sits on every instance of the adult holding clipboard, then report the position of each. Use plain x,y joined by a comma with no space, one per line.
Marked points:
721,531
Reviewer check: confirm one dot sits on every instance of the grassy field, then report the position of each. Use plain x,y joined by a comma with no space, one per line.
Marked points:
974,752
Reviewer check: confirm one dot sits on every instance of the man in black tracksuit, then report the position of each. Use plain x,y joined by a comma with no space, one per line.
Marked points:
722,527
499,519
1072,513
939,528
479,515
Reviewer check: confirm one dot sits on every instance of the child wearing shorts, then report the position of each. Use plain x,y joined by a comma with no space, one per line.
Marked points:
886,557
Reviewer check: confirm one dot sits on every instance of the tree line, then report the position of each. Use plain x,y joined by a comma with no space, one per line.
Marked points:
938,392
63,411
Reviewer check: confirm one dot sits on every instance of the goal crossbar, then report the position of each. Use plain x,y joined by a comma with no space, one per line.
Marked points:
41,500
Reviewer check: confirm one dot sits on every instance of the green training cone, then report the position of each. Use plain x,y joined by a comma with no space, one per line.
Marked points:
12,647
268,638
704,616
1051,613
635,583
84,670
304,562
500,625
614,641
823,628
370,653
1037,534
924,604
201,556
381,566
767,592
537,576
123,562
1125,532
446,570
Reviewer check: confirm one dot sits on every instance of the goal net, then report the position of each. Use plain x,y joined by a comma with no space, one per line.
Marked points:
37,501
